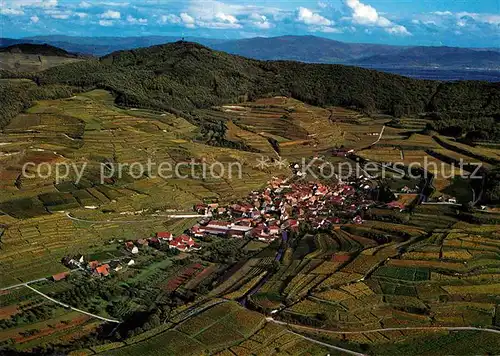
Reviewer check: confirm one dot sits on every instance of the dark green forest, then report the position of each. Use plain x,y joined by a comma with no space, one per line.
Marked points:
183,76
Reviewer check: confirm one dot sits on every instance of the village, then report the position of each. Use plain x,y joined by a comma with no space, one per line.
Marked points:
264,216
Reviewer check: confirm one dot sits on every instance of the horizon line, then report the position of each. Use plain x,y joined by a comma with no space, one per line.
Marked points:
249,38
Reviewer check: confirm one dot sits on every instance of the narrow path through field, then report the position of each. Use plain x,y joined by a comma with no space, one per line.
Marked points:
70,307
379,136
327,345
158,216
22,284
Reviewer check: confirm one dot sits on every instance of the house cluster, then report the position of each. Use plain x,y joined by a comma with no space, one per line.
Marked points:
282,206
182,243
94,267
241,227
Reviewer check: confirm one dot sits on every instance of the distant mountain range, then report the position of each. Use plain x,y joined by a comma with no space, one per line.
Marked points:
310,49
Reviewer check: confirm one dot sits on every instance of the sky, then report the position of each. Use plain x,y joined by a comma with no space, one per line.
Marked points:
464,23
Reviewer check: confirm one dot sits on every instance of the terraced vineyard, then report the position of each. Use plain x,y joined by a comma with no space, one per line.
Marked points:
432,266
85,130
368,298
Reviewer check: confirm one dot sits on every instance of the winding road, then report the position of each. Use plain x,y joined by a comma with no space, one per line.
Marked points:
371,331
327,345
379,136
25,284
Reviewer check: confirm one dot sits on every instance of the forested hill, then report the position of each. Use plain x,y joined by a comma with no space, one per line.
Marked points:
38,49
183,76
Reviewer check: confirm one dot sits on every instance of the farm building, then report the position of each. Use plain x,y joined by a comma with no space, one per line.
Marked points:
60,276
164,235
184,243
103,270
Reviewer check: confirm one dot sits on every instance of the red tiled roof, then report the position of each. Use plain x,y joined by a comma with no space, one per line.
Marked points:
164,235
219,223
60,276
104,270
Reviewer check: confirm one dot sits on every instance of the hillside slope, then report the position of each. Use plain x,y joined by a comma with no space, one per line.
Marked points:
183,76
29,57
39,49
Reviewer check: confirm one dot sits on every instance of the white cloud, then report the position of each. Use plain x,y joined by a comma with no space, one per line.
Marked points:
310,18
106,23
263,25
218,25
219,15
448,19
110,14
367,15
259,21
329,29
206,9
187,20
322,4
218,20
114,4
10,11
136,21
59,14
491,19
18,4
397,30
363,14
170,18
34,19
225,18
81,15
443,13
85,5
